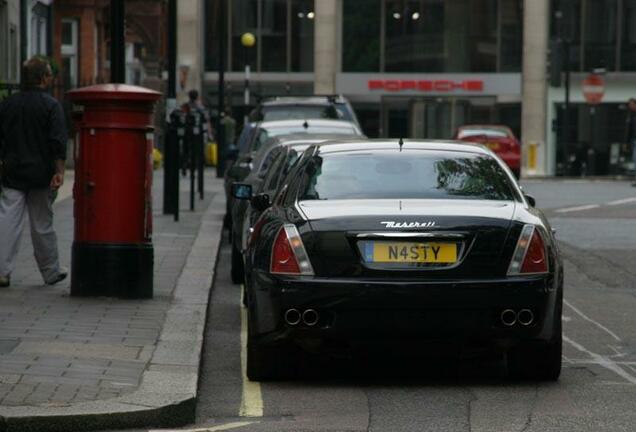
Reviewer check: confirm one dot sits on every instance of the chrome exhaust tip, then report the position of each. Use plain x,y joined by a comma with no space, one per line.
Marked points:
292,317
310,317
508,317
525,317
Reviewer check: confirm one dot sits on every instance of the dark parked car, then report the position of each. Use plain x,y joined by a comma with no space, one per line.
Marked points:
260,133
380,242
271,164
334,107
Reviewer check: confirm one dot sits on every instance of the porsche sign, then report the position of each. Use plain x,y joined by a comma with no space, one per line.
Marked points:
427,86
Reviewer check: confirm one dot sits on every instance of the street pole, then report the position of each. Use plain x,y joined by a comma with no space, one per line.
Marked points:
220,168
566,108
171,149
117,42
247,91
247,40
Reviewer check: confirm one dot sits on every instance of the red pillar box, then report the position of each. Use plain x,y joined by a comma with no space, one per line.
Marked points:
112,248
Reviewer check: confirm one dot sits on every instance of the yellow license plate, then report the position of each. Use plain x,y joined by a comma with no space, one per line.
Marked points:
385,252
492,146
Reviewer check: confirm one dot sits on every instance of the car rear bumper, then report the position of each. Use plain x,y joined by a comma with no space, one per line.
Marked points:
354,312
513,160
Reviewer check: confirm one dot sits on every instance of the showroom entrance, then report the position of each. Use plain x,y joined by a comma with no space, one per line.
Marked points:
439,117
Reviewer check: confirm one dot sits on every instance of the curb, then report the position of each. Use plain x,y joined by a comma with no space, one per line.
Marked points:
167,394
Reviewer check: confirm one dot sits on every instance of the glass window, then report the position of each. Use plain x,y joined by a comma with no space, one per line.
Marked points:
406,175
4,23
628,40
298,112
302,35
452,36
415,36
600,34
212,22
361,36
244,19
13,53
511,34
273,33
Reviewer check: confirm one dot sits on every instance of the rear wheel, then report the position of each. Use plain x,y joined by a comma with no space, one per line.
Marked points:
537,362
268,363
238,271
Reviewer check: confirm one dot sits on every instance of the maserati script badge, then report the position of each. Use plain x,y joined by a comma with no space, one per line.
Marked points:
393,224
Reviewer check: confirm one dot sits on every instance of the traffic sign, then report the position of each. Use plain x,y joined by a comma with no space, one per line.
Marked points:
593,88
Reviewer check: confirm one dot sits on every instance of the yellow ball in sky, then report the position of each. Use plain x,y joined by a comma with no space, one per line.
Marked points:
248,40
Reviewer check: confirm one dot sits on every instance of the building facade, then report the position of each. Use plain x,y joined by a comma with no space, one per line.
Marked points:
602,37
411,68
421,68
82,41
9,42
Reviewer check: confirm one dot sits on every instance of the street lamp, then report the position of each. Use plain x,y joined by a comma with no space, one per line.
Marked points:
248,40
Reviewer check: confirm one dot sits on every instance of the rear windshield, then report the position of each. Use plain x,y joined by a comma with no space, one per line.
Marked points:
405,175
265,134
499,133
299,112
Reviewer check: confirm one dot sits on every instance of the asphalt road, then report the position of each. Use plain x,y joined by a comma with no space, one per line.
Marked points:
596,225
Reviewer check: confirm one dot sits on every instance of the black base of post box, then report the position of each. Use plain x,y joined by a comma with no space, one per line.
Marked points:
112,270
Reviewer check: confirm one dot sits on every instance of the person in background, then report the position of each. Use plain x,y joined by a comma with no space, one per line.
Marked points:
32,155
194,105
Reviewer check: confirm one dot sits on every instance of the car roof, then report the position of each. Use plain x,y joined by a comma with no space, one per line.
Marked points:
486,126
409,144
293,139
310,122
302,100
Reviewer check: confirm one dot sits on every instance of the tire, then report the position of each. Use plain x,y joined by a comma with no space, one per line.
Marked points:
238,271
227,218
537,362
268,363
245,302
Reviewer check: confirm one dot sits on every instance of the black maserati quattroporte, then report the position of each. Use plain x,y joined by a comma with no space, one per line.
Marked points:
414,241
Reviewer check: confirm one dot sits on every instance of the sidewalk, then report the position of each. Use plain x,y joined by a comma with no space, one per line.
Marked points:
71,364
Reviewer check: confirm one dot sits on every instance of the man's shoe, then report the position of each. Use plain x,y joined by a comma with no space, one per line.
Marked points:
58,278
5,281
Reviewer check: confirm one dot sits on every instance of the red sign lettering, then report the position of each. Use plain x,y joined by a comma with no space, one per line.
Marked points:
439,86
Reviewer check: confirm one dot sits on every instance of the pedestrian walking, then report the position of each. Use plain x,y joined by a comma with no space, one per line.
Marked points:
32,153
631,131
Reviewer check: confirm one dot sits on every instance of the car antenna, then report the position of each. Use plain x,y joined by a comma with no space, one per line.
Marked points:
401,143
306,125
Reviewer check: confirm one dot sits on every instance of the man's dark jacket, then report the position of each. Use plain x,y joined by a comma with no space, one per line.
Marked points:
32,137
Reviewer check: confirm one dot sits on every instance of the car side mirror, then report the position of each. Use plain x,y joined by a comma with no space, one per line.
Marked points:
232,153
242,191
531,200
261,202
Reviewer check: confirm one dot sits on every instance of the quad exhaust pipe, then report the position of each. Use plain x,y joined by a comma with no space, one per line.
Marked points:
510,317
293,317
309,317
525,317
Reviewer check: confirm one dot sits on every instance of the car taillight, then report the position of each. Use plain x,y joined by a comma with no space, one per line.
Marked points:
530,255
288,253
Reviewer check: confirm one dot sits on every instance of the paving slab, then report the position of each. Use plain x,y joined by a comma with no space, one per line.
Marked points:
78,364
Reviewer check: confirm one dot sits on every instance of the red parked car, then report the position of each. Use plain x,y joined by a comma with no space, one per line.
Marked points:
499,139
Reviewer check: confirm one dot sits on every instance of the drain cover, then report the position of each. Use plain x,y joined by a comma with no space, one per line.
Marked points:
7,345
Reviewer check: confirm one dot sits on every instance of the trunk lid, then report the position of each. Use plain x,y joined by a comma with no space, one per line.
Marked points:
362,237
